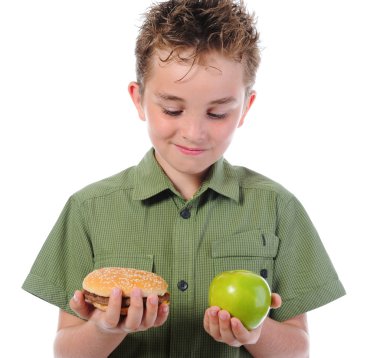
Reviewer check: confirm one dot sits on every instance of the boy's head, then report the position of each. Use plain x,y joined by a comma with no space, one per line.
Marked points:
201,26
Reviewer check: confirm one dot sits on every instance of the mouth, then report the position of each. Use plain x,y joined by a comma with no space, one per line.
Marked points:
190,151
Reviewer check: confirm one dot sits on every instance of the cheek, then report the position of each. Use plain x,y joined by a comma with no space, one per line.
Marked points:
223,134
159,127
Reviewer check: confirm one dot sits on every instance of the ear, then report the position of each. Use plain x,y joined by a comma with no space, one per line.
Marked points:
134,92
249,101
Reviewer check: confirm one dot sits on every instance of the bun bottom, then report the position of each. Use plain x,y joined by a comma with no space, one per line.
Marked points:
123,311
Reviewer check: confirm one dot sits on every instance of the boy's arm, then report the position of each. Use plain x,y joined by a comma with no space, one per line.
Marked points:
282,339
101,332
78,338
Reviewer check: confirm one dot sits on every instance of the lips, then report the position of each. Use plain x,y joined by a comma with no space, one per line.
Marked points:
190,151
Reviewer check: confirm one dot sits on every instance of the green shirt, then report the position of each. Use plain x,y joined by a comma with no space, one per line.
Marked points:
237,220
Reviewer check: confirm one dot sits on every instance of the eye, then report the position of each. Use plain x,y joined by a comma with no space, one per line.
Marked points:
217,115
171,113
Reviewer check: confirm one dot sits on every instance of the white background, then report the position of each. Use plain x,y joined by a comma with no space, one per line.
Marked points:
67,120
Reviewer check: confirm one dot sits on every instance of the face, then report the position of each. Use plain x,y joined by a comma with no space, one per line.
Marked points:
192,112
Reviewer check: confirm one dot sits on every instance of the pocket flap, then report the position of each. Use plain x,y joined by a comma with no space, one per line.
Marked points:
246,244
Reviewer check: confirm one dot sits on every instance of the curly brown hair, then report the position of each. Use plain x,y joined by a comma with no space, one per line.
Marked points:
224,26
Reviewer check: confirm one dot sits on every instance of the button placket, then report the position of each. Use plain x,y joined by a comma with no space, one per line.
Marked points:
183,237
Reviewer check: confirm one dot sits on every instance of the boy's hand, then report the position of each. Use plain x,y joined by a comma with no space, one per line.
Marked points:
110,321
223,328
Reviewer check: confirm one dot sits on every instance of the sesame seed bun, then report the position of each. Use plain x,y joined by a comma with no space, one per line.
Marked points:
102,281
98,285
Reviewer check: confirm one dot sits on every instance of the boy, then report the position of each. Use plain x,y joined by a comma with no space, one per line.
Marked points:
184,212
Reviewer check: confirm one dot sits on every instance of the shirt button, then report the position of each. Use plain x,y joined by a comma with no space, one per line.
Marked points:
185,213
264,273
182,285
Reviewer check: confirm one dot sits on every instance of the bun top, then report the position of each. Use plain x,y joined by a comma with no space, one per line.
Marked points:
102,281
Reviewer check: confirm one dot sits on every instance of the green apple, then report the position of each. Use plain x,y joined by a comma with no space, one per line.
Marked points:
243,294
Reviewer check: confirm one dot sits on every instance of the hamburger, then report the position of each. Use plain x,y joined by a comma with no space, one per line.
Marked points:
98,285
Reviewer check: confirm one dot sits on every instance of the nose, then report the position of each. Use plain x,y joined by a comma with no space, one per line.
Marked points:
193,128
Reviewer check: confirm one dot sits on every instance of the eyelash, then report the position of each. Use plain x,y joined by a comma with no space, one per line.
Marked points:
178,113
171,113
217,116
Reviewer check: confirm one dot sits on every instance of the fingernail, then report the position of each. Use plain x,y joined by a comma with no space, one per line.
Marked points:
75,297
223,316
165,309
135,292
213,313
153,300
116,291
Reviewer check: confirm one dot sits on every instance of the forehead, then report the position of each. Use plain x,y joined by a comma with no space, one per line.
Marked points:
184,67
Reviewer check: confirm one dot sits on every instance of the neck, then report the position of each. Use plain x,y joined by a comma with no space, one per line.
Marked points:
187,184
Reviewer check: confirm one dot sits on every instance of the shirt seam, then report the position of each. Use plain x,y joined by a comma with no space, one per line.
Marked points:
94,197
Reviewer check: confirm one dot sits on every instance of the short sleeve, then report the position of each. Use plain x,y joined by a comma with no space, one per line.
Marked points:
303,273
63,261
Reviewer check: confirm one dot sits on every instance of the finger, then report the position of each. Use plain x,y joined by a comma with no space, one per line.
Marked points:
112,314
238,328
79,306
225,328
162,315
276,301
135,311
151,311
242,334
206,321
213,323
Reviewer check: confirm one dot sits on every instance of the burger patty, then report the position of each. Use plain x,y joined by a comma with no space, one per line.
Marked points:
125,301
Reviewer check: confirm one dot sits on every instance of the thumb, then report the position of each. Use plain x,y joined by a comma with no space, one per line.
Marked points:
276,301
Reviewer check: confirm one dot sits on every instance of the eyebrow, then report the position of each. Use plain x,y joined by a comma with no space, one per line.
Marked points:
169,97
224,100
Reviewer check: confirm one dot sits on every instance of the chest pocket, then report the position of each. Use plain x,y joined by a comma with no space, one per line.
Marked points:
139,261
253,250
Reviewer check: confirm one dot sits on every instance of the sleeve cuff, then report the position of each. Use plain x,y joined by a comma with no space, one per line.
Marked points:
308,301
47,291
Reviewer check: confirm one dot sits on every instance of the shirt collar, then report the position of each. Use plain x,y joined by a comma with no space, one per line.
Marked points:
151,180
224,180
